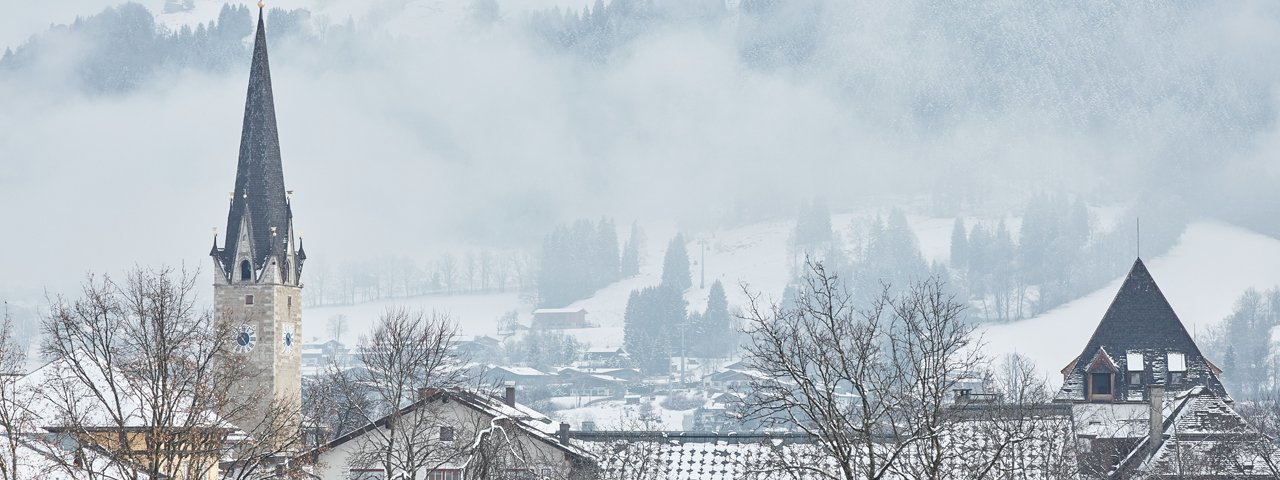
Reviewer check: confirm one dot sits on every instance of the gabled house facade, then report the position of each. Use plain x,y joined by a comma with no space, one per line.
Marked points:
467,435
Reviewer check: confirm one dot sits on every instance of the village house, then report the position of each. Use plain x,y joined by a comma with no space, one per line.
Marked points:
464,424
559,318
1142,394
604,358
590,383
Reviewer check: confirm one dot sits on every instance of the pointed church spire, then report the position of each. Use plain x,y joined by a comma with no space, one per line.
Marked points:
261,204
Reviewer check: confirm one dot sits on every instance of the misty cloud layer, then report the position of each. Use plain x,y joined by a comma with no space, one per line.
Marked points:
410,140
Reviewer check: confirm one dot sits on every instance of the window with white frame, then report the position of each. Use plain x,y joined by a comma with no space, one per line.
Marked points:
1177,367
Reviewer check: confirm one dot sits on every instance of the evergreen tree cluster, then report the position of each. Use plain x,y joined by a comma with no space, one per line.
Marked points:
123,46
775,33
631,252
657,326
1059,255
712,330
1242,343
1005,273
813,225
886,253
577,260
654,328
987,268
543,349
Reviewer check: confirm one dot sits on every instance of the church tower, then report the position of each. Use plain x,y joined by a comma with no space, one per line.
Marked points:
257,286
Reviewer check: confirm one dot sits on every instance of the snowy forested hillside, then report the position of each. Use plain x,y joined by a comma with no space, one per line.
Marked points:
1200,280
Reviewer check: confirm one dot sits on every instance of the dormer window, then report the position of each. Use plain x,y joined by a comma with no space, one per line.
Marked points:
1100,377
246,271
1135,364
1177,367
1100,385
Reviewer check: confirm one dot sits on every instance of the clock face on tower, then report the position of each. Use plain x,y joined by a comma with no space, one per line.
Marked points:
245,339
287,339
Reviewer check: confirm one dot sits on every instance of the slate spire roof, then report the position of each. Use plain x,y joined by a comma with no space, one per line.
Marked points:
259,191
1140,321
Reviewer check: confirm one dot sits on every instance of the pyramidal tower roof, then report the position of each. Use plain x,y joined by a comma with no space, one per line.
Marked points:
1140,316
259,193
1140,325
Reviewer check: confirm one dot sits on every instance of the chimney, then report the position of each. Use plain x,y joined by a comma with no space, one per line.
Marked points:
1155,394
425,393
510,395
564,433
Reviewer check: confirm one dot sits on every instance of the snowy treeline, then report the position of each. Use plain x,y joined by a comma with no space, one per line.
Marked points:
1054,252
123,46
476,271
580,258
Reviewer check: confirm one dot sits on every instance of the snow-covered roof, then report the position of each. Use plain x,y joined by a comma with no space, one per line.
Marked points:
57,379
1198,425
522,371
53,457
530,421
559,310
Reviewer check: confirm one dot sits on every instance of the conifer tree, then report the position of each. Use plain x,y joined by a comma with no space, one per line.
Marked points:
606,250
716,325
675,266
959,245
631,253
653,328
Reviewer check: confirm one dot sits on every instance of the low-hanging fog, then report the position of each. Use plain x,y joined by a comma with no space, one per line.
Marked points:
413,126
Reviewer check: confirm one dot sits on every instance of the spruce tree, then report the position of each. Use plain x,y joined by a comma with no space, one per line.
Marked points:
631,253
959,245
606,250
716,323
675,267
653,328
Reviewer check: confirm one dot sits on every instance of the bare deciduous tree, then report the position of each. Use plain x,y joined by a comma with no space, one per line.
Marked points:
408,352
338,326
139,374
868,384
16,417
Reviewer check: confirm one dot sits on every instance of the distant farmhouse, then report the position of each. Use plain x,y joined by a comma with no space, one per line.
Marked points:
559,318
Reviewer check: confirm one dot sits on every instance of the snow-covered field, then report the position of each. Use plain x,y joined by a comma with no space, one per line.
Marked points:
754,256
617,415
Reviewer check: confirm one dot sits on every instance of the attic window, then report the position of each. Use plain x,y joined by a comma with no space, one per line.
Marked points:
446,434
1177,367
248,299
1100,384
1134,362
246,272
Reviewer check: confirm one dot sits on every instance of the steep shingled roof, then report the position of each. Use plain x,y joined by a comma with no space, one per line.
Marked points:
259,190
1140,321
